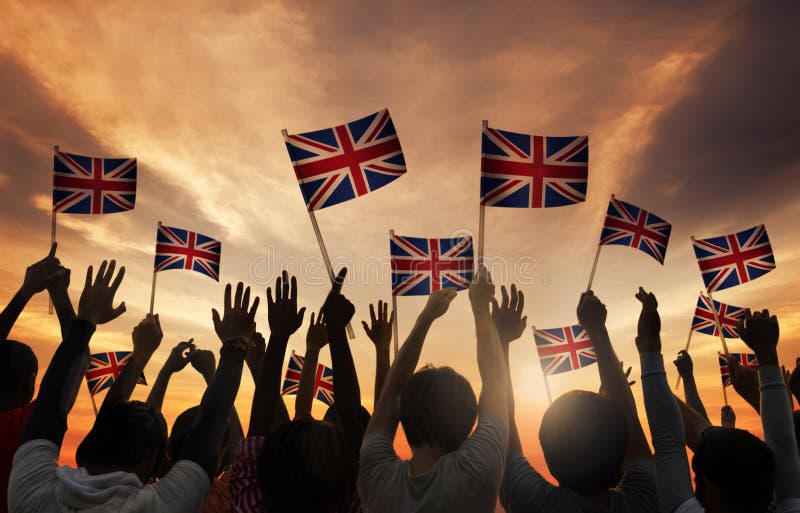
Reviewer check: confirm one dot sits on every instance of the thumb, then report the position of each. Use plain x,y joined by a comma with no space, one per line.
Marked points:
216,319
118,311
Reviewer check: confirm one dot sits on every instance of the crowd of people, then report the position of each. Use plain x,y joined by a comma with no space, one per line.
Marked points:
466,450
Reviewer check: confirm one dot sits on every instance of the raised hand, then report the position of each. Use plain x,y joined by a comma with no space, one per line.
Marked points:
507,315
147,335
760,332
438,303
602,391
43,273
338,310
684,364
256,347
649,329
238,320
745,382
379,330
591,312
179,356
282,313
203,361
728,417
97,299
481,292
317,335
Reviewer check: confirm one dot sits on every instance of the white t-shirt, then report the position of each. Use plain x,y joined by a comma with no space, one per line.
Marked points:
464,481
38,485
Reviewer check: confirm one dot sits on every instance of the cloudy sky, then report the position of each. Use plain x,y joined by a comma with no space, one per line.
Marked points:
690,107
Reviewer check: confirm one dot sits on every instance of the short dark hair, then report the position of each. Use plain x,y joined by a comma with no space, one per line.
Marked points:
584,437
305,466
739,464
437,407
18,368
363,417
125,434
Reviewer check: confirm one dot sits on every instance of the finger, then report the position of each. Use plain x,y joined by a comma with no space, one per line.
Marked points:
385,313
391,318
53,248
366,328
254,308
339,281
285,291
116,312
118,280
293,291
321,318
372,313
88,278
109,272
312,319
520,301
246,299
301,314
101,272
270,302
216,319
504,295
495,306
523,322
237,297
514,297
278,288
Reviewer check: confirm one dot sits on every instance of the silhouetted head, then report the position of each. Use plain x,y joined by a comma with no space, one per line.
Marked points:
332,417
437,408
18,368
734,472
305,466
182,426
128,436
584,437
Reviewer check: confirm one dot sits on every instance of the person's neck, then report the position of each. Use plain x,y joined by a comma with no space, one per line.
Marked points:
424,458
599,498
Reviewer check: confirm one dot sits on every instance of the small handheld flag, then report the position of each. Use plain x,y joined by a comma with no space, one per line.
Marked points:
421,265
728,316
323,380
177,248
734,259
628,225
563,349
105,368
92,185
746,360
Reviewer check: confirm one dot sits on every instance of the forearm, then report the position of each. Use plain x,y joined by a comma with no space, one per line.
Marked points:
63,307
381,370
514,442
692,396
204,442
693,423
776,419
11,312
268,385
159,390
666,428
305,390
612,378
122,388
346,390
48,419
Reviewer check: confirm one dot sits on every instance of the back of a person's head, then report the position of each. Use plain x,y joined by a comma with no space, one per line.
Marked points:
437,408
332,417
739,465
183,425
18,368
305,466
584,437
125,435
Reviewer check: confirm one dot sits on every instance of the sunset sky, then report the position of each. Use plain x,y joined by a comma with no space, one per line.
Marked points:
691,109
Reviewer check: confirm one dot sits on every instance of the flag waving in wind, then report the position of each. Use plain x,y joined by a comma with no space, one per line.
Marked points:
746,360
532,171
177,248
563,349
728,316
421,266
337,164
91,185
734,259
323,380
105,368
629,225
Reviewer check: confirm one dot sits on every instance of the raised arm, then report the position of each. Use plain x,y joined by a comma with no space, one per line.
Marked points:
176,362
693,423
509,322
760,332
686,369
256,347
592,317
146,339
745,383
284,319
666,424
38,277
379,331
386,416
48,419
234,328
316,339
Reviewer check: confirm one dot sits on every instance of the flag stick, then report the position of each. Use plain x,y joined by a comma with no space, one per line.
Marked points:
94,405
547,389
688,341
725,394
482,211
597,254
153,286
394,314
719,326
350,333
52,241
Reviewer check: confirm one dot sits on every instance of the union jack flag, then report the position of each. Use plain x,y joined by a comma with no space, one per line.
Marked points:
341,163
747,360
91,185
629,225
323,380
105,368
421,265
532,171
734,259
563,349
181,249
728,315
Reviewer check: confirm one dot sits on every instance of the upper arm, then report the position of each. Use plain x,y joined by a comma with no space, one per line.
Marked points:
523,489
34,462
484,453
184,488
639,485
376,460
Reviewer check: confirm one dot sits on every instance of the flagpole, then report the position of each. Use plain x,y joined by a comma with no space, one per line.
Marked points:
394,314
94,405
52,241
482,210
547,389
688,341
153,285
725,393
350,333
597,254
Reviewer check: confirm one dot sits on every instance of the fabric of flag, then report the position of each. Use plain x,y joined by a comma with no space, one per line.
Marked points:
563,349
532,171
629,225
734,259
728,315
177,248
747,360
91,185
341,163
421,266
323,380
105,368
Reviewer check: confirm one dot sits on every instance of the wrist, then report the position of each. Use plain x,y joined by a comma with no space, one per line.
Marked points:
26,291
767,358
